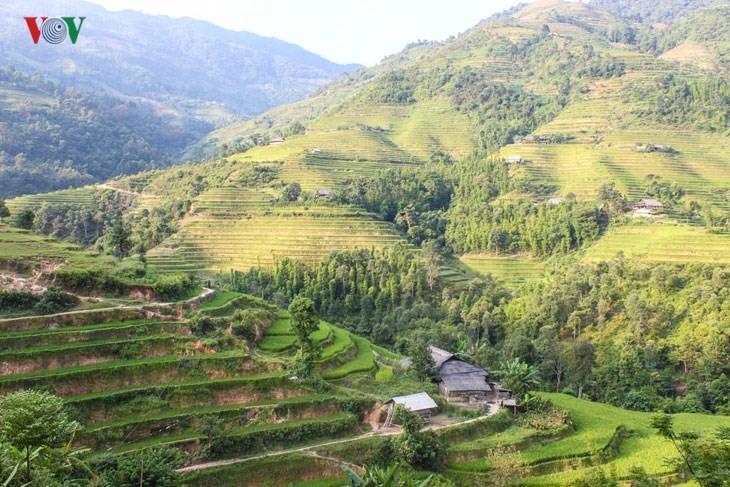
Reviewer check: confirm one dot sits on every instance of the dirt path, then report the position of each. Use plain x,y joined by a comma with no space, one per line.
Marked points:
206,292
308,449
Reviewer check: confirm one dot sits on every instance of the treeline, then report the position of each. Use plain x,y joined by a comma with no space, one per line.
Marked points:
457,206
385,295
59,137
641,336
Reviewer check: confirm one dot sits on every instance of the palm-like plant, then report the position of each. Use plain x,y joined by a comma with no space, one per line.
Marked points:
391,476
519,377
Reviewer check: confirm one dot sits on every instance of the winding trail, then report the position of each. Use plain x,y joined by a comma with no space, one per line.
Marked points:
309,448
204,294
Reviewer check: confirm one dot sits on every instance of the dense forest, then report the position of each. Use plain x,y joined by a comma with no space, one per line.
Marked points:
672,320
54,137
649,11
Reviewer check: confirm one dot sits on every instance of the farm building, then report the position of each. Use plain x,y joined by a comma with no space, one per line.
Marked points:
460,381
324,193
277,140
647,204
515,160
556,201
316,151
421,404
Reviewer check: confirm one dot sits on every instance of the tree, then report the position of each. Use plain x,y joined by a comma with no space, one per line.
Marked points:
153,467
32,419
24,219
291,191
432,260
420,449
580,360
4,212
304,322
119,239
508,467
664,424
391,476
614,201
422,362
518,377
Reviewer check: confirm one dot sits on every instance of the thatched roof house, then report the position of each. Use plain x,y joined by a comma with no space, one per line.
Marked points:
460,381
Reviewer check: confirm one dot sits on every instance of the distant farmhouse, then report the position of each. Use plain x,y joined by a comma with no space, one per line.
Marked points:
277,140
648,204
460,381
515,160
324,193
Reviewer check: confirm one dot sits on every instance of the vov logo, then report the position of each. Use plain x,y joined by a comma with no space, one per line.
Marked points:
54,30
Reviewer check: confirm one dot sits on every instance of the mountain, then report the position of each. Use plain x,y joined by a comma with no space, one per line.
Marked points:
185,66
572,93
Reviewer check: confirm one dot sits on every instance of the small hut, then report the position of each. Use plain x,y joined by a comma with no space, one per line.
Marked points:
421,404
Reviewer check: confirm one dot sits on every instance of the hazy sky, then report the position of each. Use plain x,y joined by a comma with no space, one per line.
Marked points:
345,31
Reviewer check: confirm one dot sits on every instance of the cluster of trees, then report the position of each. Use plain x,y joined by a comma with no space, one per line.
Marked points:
36,448
52,300
670,354
676,100
72,138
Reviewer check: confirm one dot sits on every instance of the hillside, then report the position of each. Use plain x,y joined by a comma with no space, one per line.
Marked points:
57,137
546,195
582,106
197,70
650,12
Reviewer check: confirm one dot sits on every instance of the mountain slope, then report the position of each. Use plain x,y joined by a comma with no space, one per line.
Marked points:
651,11
54,137
187,66
548,85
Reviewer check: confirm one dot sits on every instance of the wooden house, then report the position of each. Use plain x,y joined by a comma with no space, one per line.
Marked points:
421,404
460,381
277,140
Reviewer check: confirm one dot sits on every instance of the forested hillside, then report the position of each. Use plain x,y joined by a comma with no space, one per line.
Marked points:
55,137
650,11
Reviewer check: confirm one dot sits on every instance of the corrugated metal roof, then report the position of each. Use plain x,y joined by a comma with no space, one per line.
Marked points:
416,402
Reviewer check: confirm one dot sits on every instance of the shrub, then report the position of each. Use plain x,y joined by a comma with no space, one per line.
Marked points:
54,300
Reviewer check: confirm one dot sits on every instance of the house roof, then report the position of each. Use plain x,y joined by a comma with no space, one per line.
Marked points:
466,383
440,356
324,192
650,202
416,402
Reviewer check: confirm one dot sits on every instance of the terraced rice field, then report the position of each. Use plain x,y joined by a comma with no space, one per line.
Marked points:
214,244
80,197
513,271
663,243
701,165
563,460
141,382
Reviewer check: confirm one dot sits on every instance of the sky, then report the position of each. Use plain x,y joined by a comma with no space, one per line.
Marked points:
344,31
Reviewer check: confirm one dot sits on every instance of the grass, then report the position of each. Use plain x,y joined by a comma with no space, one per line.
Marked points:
514,271
207,410
660,242
595,425
220,300
364,361
384,373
